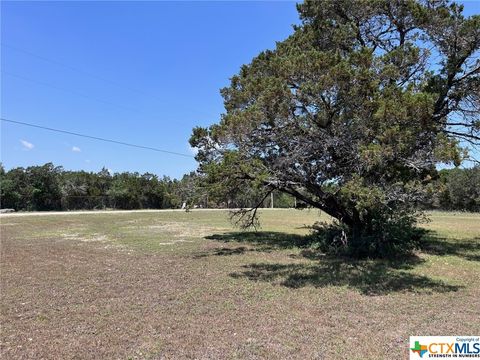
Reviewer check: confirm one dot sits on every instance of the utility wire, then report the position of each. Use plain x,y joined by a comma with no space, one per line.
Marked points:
96,138
69,91
78,70
110,103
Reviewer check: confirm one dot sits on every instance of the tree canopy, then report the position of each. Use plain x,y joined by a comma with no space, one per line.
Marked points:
351,114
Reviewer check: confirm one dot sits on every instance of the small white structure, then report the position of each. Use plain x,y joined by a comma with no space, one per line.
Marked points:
6,211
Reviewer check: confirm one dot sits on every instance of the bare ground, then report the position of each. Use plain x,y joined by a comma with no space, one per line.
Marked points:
151,286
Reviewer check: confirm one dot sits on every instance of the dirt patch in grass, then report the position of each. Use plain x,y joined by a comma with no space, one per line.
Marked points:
233,295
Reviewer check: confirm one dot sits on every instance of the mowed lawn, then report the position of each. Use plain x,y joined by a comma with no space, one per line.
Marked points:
177,285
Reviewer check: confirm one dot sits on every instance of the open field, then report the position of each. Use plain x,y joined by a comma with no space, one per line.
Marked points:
150,285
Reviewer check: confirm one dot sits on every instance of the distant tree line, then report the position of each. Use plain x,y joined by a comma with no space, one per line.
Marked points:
456,189
49,187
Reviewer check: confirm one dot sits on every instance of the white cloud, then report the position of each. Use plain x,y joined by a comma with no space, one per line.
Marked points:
27,145
76,149
87,161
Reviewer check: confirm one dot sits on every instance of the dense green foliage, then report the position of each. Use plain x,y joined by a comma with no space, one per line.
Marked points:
49,187
351,114
458,189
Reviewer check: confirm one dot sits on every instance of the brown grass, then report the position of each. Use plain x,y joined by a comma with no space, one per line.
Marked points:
151,286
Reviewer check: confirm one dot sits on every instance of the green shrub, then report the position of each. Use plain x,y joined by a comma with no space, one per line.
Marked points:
380,239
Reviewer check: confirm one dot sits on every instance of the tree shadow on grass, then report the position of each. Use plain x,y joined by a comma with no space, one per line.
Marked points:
468,249
224,252
372,277
265,240
369,277
259,241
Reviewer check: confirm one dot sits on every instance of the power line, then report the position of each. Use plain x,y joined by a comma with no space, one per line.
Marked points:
96,138
78,70
69,91
75,93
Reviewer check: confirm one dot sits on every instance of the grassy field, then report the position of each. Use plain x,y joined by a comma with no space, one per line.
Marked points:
176,285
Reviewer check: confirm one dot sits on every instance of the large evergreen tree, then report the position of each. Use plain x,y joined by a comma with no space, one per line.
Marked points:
351,114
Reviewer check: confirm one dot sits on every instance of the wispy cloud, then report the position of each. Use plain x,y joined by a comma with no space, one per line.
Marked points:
76,149
27,145
87,161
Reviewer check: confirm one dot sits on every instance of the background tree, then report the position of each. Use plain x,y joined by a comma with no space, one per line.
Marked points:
74,190
459,189
351,114
9,197
51,188
454,189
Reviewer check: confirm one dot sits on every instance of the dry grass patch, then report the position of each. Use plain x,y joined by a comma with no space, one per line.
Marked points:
190,286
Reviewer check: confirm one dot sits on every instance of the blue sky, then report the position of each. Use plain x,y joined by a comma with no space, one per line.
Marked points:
139,72
163,62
